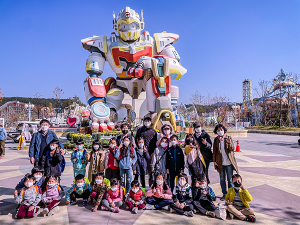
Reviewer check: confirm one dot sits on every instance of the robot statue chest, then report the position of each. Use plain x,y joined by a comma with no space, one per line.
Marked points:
129,54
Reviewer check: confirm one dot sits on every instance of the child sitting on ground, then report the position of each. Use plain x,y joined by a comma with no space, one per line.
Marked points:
182,197
159,194
52,194
237,200
80,189
136,198
203,197
28,198
52,160
114,197
78,159
98,190
37,172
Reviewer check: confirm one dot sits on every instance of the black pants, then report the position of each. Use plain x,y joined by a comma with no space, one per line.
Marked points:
204,205
188,207
85,195
206,170
142,178
112,173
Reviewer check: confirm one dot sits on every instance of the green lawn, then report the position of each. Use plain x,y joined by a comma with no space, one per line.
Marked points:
274,128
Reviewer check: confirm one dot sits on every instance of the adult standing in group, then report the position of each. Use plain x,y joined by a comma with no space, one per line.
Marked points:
150,137
223,157
205,144
40,142
125,133
3,136
166,131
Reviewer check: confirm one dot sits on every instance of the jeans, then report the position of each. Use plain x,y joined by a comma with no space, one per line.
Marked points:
229,172
127,173
204,205
158,202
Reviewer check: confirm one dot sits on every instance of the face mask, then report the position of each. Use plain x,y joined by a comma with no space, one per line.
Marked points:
167,131
220,133
80,147
80,185
147,124
96,147
44,128
163,144
114,189
182,182
52,147
159,182
98,181
37,177
112,146
198,129
124,131
126,143
135,190
173,142
189,141
51,185
237,184
202,186
28,184
141,145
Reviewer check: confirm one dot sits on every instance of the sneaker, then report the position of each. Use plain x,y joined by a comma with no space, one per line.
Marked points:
104,208
189,213
166,207
223,197
211,214
135,210
250,219
231,216
85,202
116,210
53,211
172,210
127,208
45,211
149,207
73,202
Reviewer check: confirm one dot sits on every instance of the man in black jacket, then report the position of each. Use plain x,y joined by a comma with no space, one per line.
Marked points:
205,144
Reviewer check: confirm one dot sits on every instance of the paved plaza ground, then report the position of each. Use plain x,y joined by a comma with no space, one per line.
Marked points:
269,165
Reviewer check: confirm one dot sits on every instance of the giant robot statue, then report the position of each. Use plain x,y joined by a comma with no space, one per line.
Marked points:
142,64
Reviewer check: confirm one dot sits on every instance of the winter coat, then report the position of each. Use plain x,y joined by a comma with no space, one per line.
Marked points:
29,197
198,195
158,161
183,194
52,164
175,160
121,137
35,144
109,160
205,149
229,149
78,190
3,134
244,195
126,162
99,162
80,155
159,190
115,196
150,137
51,193
141,163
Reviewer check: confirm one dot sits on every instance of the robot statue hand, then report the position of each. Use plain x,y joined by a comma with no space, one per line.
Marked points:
136,70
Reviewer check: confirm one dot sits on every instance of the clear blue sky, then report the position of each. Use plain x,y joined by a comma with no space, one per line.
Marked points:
221,42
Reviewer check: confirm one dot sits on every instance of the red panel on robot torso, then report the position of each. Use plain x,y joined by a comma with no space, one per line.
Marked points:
118,53
97,87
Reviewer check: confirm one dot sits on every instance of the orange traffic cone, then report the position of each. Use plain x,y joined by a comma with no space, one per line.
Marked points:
237,147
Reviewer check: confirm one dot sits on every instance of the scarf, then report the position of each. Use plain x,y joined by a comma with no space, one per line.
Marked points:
221,138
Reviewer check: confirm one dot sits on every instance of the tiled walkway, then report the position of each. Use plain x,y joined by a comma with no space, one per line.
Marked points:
269,165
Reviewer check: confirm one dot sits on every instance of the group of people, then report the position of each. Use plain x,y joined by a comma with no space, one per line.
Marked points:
110,182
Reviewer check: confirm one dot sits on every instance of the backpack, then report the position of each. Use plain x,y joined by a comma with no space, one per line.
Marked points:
36,190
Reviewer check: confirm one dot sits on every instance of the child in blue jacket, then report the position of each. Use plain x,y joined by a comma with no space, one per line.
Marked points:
78,159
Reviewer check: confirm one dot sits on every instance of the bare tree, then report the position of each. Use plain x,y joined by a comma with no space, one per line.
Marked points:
58,93
37,103
261,92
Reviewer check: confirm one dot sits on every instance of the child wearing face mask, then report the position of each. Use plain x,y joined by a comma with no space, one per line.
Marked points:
159,194
127,158
52,159
52,194
113,197
237,201
166,131
174,161
111,164
140,167
80,189
98,190
78,159
37,172
203,197
158,162
96,160
223,157
28,198
125,133
136,198
182,197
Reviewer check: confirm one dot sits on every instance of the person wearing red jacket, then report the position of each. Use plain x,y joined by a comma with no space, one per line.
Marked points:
136,198
111,164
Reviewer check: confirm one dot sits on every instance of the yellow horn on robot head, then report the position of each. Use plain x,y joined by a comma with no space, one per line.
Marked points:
128,24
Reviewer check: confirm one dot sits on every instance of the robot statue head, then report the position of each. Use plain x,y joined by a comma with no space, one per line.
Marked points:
128,24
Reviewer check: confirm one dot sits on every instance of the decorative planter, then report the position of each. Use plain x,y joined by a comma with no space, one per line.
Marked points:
187,130
87,130
178,128
82,130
